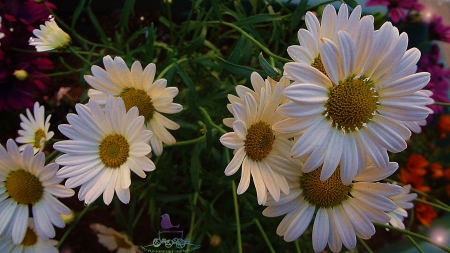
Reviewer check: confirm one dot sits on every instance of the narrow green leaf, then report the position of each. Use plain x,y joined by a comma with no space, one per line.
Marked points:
150,43
268,68
187,81
237,69
77,12
128,7
258,19
216,8
352,3
298,14
197,42
96,24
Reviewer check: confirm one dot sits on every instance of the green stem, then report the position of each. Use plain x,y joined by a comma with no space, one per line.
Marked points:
415,244
211,122
236,212
442,103
432,204
194,202
73,51
263,233
418,236
58,73
248,36
72,226
297,246
52,155
169,67
80,38
364,244
188,142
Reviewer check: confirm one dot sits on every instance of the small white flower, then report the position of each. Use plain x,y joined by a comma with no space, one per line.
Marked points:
31,243
106,143
34,129
137,88
50,37
403,201
260,151
114,240
25,182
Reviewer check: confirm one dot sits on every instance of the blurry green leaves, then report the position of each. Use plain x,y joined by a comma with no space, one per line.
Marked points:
77,13
128,8
271,71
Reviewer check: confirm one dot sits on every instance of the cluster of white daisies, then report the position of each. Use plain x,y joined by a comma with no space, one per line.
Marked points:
316,141
111,135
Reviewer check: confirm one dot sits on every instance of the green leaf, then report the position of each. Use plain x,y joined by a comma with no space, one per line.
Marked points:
298,14
352,3
128,7
257,19
268,68
197,43
77,12
237,69
193,99
216,8
150,43
97,25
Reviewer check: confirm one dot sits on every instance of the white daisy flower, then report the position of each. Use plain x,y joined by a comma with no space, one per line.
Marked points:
343,211
31,243
308,51
50,37
25,182
257,83
34,129
1,34
260,150
106,143
136,87
114,240
358,104
403,201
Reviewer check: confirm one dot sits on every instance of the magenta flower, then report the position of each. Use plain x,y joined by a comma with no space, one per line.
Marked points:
27,12
398,9
21,74
437,30
440,77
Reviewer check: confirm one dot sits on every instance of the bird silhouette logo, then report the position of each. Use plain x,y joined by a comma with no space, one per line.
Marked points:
165,222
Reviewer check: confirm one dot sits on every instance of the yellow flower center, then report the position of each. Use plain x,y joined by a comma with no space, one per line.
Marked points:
37,138
139,98
114,150
20,74
319,65
24,187
30,238
351,104
259,141
328,193
121,243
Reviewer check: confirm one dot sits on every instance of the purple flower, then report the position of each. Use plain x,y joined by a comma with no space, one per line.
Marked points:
437,30
398,9
440,77
21,73
27,12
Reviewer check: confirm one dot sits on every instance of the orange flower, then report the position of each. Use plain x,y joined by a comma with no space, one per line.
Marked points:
447,173
416,164
424,213
447,190
406,177
443,125
436,170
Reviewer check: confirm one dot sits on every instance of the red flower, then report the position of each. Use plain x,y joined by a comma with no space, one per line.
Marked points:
436,170
417,164
424,213
406,177
443,125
